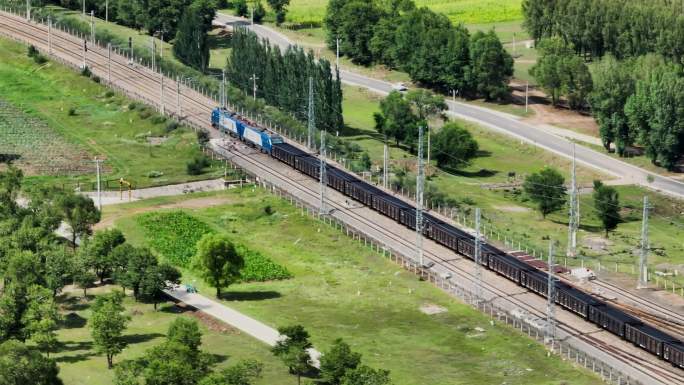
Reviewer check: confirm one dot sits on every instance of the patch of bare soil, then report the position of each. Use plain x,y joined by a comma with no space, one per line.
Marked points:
191,204
598,244
512,209
561,116
431,309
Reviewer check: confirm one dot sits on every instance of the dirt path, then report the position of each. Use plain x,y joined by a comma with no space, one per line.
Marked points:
197,203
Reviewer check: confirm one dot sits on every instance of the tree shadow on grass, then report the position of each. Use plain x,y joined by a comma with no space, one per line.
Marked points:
72,346
174,308
75,304
481,173
138,338
249,295
219,41
75,358
73,321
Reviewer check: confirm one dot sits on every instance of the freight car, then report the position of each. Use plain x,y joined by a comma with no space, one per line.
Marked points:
582,304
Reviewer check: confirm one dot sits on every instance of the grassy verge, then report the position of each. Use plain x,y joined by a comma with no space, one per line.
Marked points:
80,364
102,124
341,289
484,184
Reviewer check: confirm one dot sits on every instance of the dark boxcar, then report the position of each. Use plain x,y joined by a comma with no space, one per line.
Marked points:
443,234
309,165
507,266
466,246
575,300
361,192
408,218
648,338
673,352
536,281
286,153
389,206
338,179
611,319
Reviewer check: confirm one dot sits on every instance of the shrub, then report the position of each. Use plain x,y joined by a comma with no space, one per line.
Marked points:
32,51
132,106
193,168
155,174
86,72
268,210
158,119
171,126
96,79
202,137
109,94
72,111
144,113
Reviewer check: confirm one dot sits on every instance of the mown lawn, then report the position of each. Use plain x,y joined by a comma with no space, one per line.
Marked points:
342,289
80,364
103,124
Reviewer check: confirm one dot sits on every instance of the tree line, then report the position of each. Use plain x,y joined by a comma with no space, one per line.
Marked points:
626,28
425,44
282,79
638,102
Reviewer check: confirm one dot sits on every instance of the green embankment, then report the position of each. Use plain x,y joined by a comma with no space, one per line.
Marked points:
342,289
101,123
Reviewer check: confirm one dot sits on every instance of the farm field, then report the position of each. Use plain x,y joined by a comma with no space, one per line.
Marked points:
486,184
342,289
465,11
80,365
95,121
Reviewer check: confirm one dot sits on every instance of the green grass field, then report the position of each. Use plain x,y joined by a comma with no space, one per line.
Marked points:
465,11
80,364
102,125
511,213
342,289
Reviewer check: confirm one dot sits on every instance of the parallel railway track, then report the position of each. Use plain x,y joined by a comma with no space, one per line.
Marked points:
144,84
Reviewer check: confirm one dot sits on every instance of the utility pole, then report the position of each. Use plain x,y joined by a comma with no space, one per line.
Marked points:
385,164
161,47
337,53
223,88
99,191
178,96
323,175
550,334
419,199
573,223
643,258
254,78
311,115
84,9
162,110
427,166
478,258
28,10
85,49
107,10
92,27
252,17
153,52
49,35
109,63
527,88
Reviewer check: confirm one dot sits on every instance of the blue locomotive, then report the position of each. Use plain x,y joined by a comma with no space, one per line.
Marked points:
234,125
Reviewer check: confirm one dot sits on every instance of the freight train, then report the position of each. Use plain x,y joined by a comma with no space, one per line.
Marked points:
586,306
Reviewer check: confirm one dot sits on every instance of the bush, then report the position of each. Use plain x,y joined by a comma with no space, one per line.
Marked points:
155,174
72,111
32,51
109,94
144,113
86,72
171,126
158,119
96,79
197,165
132,106
202,137
268,210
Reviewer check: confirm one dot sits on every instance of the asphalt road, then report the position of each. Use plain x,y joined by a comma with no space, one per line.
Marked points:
502,122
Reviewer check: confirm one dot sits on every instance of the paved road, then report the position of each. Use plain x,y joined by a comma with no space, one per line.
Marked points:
498,121
254,328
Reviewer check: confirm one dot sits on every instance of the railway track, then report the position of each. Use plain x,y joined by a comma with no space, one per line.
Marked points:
662,369
144,85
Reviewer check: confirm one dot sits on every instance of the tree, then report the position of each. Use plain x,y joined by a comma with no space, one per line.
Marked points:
172,363
607,206
10,185
244,372
490,66
80,213
332,21
259,12
576,82
217,261
191,46
395,119
613,84
547,189
186,332
355,30
41,318
454,146
101,250
59,267
156,280
337,361
139,261
21,365
241,8
82,273
547,69
280,9
108,322
426,104
292,348
364,375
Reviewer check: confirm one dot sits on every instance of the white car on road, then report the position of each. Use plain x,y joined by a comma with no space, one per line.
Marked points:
399,87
